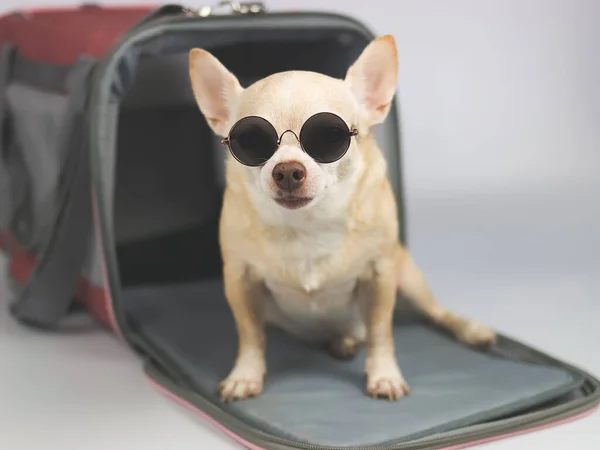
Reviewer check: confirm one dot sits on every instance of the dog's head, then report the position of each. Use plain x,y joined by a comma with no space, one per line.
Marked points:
289,178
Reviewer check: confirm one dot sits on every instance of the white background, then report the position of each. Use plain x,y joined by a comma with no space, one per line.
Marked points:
500,109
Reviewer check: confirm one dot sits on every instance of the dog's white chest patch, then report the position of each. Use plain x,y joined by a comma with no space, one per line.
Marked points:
310,273
302,291
326,303
331,310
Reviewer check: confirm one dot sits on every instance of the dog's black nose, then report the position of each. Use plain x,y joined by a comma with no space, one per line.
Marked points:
289,176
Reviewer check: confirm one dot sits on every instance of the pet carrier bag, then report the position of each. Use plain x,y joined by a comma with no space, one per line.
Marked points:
110,193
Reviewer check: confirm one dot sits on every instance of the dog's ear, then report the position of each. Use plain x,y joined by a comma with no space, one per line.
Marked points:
373,78
216,90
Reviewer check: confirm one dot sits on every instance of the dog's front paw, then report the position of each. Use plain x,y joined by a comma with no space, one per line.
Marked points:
243,382
233,388
476,334
386,381
392,387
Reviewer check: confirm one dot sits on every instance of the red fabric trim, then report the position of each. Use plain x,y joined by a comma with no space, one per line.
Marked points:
95,300
21,264
59,36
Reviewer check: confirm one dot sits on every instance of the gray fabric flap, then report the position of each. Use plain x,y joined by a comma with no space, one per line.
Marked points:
38,117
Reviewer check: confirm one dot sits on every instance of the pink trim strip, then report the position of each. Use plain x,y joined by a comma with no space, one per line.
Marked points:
251,446
202,414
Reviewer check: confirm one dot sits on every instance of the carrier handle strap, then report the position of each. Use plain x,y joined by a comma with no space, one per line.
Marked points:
47,297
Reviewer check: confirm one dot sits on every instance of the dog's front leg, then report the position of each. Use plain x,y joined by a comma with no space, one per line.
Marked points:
246,378
384,378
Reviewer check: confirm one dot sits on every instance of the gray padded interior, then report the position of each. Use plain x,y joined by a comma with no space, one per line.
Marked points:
312,398
166,154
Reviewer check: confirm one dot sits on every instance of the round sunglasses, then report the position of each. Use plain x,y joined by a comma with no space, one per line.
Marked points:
324,137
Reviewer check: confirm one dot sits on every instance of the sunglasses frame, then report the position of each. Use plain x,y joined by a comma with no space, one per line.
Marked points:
351,132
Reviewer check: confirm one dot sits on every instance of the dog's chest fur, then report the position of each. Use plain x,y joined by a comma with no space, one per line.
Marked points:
310,278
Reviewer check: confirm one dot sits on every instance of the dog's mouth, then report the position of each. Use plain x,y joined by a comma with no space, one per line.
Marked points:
293,202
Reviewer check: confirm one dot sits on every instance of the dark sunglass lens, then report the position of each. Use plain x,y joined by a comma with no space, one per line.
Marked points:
325,137
253,141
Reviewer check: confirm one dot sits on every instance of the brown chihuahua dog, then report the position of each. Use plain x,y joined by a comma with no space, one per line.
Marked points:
309,227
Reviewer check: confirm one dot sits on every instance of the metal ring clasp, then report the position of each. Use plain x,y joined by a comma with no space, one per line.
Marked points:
232,7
